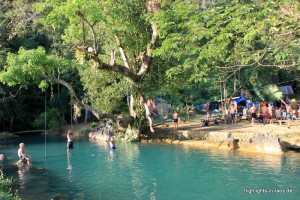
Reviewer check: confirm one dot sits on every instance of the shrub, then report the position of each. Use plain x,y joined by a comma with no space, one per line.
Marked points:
85,130
94,124
54,120
5,188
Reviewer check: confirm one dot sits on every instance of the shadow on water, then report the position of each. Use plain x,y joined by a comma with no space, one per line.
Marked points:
28,178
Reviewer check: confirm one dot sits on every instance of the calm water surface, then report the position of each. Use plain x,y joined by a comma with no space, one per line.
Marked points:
148,171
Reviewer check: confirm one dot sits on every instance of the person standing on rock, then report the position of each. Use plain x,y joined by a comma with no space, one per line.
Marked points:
175,120
149,107
288,112
253,114
232,113
207,106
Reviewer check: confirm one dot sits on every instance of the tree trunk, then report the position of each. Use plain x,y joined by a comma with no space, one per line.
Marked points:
137,112
11,123
187,111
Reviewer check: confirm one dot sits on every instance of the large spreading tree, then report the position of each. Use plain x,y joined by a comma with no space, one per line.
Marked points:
112,42
128,50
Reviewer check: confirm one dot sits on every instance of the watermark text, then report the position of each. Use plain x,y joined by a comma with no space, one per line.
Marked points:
261,191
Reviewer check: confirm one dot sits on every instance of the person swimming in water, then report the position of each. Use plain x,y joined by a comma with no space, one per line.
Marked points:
24,158
111,142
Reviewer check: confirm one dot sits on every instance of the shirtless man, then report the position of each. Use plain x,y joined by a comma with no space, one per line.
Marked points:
149,106
288,112
253,110
264,111
232,113
69,141
22,155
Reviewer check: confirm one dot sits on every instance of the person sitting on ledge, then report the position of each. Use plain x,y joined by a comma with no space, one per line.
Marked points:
1,157
22,155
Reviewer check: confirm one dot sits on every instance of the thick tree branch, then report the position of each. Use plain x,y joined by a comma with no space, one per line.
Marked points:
152,6
112,57
235,68
145,57
145,60
10,96
117,68
97,114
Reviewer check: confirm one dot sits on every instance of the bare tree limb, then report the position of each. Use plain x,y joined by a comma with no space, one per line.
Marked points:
123,54
13,95
112,57
145,59
91,26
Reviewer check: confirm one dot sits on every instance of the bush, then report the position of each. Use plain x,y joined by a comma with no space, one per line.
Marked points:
5,188
54,120
94,124
85,130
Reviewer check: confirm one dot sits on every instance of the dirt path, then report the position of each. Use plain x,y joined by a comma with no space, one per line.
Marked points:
240,127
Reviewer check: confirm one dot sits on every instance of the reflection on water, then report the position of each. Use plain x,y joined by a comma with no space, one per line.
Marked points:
111,155
152,171
69,168
23,170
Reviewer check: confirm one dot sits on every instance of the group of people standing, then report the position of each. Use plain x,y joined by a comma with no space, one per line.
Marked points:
267,112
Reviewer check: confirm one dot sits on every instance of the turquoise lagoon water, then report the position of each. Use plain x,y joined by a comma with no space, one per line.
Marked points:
148,171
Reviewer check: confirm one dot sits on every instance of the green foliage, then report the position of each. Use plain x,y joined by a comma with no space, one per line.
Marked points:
199,47
85,130
5,188
53,119
63,14
125,19
131,133
268,93
105,90
229,37
32,65
100,22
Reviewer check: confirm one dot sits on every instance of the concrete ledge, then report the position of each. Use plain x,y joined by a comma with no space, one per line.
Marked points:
246,142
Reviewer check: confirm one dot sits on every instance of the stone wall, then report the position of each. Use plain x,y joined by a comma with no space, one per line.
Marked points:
248,142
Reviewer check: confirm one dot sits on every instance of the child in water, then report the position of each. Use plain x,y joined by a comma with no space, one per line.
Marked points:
111,142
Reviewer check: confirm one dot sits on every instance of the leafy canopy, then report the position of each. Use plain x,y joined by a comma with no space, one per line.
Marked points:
33,65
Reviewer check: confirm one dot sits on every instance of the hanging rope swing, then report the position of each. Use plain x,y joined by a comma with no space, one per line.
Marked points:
71,111
45,125
71,115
